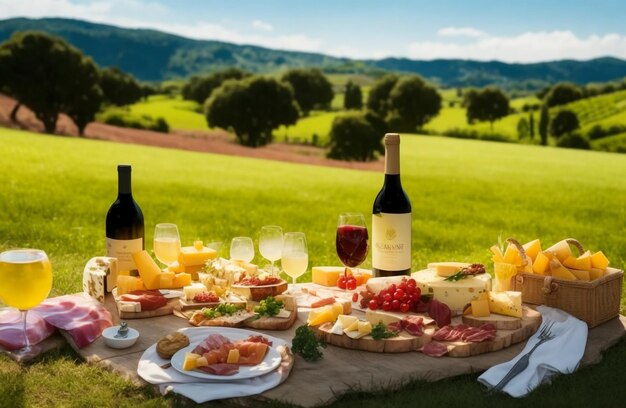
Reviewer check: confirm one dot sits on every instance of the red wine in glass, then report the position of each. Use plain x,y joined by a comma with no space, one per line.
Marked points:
352,239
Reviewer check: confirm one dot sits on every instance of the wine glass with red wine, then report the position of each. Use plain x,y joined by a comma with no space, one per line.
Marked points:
352,242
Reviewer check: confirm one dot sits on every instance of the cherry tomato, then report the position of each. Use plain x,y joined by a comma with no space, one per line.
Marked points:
341,283
387,297
351,285
404,307
373,304
395,304
386,306
398,294
392,288
402,285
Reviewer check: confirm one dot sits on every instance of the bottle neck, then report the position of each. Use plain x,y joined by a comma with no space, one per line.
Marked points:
123,183
392,160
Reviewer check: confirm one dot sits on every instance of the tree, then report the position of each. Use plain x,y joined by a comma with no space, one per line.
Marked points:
412,103
84,106
252,107
310,88
353,98
523,129
354,137
563,93
200,88
119,88
531,125
45,74
378,97
565,121
490,104
544,123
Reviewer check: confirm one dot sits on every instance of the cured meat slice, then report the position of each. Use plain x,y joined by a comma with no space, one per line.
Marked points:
395,326
442,334
463,332
434,349
414,325
149,299
251,353
12,329
82,317
259,339
220,369
212,342
440,312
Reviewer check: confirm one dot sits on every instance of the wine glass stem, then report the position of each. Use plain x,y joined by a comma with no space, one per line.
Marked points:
26,343
272,268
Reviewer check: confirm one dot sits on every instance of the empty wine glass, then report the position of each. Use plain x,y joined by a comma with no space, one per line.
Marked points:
295,256
166,243
271,244
25,281
242,249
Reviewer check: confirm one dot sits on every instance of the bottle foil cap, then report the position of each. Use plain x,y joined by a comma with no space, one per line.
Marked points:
392,139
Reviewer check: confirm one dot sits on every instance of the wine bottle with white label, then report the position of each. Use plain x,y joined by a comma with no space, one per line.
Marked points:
391,218
124,224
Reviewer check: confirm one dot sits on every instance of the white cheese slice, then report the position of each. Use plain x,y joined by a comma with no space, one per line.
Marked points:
346,320
130,307
355,334
337,328
283,314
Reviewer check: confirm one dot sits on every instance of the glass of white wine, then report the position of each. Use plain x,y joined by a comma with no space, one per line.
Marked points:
166,243
242,249
25,281
271,244
295,256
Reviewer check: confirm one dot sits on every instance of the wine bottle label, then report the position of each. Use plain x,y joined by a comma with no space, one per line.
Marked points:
123,249
391,241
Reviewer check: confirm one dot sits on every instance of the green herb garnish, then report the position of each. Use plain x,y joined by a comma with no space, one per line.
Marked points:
269,307
223,309
473,269
306,344
380,331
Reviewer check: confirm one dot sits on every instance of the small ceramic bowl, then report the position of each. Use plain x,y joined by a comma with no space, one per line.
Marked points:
119,343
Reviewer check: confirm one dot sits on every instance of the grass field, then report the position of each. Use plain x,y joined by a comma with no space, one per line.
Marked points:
465,194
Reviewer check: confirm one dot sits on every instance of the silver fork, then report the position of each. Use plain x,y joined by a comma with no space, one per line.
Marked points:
545,335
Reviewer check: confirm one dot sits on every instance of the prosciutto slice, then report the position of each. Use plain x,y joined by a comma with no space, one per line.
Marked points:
212,342
149,299
434,349
414,325
463,332
220,369
83,318
12,329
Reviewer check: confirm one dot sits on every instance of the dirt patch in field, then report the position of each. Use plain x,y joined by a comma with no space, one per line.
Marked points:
219,142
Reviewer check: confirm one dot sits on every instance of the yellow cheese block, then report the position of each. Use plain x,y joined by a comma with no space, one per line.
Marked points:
542,263
202,362
595,273
506,303
561,249
191,255
532,248
176,268
580,275
480,308
446,269
559,271
126,284
166,280
233,356
599,260
583,262
181,280
191,361
321,315
326,275
148,269
454,294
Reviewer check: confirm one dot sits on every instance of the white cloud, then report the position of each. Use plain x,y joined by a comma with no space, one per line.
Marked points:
460,32
262,25
525,47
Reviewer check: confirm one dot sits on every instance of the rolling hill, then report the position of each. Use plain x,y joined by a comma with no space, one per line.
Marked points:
154,56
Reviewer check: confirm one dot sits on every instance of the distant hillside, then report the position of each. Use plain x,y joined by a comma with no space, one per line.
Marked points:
152,56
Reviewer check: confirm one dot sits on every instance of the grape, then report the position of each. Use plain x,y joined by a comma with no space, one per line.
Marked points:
386,306
387,297
399,294
373,304
395,304
404,307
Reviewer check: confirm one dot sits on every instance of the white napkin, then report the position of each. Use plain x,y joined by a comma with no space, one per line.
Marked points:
200,390
559,355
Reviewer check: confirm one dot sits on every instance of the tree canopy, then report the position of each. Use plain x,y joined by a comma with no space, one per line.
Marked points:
199,88
565,121
544,123
412,103
46,74
356,136
563,93
378,97
252,108
119,88
489,104
353,98
311,88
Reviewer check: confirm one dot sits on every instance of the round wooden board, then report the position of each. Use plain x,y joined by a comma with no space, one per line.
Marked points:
258,293
502,322
164,310
403,343
277,323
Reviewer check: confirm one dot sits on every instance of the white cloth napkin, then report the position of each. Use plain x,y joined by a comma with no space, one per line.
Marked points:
200,390
559,355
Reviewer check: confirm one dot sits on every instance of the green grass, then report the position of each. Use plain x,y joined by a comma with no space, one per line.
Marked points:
465,194
318,123
179,113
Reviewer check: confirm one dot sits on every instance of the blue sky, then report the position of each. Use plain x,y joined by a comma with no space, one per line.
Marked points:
512,31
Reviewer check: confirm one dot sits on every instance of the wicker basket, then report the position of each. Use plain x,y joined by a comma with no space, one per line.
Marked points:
594,302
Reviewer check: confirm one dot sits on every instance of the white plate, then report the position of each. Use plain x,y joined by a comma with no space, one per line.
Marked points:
271,361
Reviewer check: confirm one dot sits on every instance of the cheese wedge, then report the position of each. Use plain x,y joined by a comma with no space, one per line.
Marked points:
354,326
583,262
337,328
532,248
570,262
580,275
346,320
512,255
599,261
480,308
542,262
446,269
559,271
377,316
561,250
506,303
322,315
148,269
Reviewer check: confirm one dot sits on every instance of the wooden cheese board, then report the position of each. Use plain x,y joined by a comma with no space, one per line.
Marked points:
167,309
191,305
502,322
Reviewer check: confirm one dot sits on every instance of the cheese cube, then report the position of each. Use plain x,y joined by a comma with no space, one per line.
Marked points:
233,356
126,284
506,303
599,260
580,275
166,280
540,266
480,308
191,255
326,275
583,262
148,269
176,268
181,279
532,248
